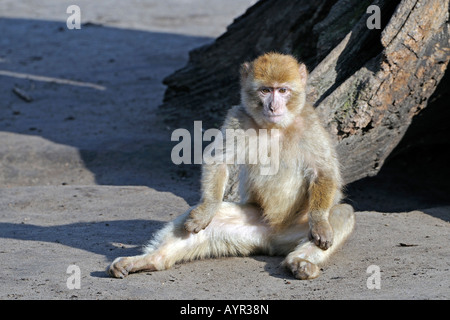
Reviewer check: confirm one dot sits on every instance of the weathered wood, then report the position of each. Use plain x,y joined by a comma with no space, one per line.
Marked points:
370,111
366,84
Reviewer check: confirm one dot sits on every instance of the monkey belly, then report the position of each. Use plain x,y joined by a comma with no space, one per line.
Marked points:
282,198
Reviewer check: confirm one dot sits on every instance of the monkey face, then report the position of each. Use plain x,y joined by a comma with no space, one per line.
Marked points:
273,89
274,102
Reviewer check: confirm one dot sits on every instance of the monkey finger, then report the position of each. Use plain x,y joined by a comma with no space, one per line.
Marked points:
325,245
322,240
193,227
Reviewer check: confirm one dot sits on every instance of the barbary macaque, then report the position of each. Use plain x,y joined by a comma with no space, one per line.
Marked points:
294,211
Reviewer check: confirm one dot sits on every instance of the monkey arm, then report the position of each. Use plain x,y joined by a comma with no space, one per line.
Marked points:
214,180
322,194
215,176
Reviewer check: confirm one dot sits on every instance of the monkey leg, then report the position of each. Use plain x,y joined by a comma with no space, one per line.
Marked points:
304,261
234,230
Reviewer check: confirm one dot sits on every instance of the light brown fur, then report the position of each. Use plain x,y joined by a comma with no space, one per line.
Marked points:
279,212
276,68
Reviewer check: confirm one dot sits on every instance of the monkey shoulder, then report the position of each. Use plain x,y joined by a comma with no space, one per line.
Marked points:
316,148
312,130
237,118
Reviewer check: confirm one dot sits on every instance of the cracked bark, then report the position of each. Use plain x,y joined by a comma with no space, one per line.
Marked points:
367,85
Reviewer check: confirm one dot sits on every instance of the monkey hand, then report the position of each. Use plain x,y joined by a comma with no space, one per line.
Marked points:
198,219
322,234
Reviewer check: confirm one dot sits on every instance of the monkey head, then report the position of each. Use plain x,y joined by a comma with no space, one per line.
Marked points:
273,89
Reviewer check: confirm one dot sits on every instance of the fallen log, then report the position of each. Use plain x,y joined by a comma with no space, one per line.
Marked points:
366,83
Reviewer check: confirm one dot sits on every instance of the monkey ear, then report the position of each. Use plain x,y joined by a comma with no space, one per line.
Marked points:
303,73
245,70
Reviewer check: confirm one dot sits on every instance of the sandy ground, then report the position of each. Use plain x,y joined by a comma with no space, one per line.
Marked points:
86,175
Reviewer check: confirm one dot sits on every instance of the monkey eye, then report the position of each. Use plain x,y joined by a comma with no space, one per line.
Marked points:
282,90
265,90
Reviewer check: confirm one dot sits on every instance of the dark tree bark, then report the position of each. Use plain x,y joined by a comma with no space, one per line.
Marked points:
367,85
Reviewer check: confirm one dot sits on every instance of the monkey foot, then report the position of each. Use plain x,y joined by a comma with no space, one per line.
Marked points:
303,269
120,267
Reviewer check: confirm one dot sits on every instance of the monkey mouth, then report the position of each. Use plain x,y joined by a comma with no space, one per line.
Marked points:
274,118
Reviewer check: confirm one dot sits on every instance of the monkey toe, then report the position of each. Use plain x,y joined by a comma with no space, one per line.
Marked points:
120,268
303,269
